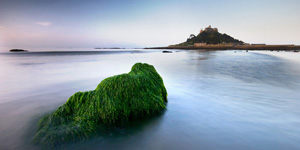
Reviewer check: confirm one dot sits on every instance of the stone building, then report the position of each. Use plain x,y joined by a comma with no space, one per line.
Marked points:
209,29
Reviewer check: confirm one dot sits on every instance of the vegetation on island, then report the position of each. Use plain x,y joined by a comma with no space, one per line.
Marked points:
211,36
116,101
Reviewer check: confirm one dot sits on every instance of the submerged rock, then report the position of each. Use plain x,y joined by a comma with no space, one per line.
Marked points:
117,100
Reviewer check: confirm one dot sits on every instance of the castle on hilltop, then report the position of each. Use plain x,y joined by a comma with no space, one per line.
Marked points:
209,29
210,36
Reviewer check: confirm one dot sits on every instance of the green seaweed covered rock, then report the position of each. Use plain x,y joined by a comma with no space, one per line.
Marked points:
116,101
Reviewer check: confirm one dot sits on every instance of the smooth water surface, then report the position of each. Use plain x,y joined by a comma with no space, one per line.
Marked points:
217,100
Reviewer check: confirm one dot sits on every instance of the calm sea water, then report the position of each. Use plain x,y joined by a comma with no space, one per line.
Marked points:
217,100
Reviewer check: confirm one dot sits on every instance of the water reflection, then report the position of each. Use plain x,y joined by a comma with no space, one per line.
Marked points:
138,132
244,66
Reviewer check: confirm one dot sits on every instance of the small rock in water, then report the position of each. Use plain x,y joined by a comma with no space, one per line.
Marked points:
167,51
18,50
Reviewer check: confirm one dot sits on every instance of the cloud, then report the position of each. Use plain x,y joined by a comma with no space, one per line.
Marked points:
44,23
1,27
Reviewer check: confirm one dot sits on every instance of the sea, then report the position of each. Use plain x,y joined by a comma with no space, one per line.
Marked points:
229,100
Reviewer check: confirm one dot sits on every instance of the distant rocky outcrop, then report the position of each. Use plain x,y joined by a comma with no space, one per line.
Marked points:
210,36
18,50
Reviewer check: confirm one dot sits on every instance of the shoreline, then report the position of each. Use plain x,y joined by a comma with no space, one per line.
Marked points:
295,48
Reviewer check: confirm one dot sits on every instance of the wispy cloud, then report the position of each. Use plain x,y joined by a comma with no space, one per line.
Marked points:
1,27
44,23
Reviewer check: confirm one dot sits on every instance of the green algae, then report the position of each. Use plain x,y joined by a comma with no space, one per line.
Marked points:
117,100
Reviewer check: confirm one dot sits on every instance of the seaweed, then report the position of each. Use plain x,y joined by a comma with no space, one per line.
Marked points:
116,101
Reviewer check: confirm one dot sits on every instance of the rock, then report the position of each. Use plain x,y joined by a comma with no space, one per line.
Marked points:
18,50
117,100
167,51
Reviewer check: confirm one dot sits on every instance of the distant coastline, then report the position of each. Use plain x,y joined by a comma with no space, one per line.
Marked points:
295,48
211,39
109,48
233,47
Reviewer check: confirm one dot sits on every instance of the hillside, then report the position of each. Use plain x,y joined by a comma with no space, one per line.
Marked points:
211,36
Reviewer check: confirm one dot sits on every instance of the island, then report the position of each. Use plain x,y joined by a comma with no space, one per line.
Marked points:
116,101
18,50
210,38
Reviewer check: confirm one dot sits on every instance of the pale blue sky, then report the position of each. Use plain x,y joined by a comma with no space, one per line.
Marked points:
136,23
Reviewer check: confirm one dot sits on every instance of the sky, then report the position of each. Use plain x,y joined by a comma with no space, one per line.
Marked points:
141,23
